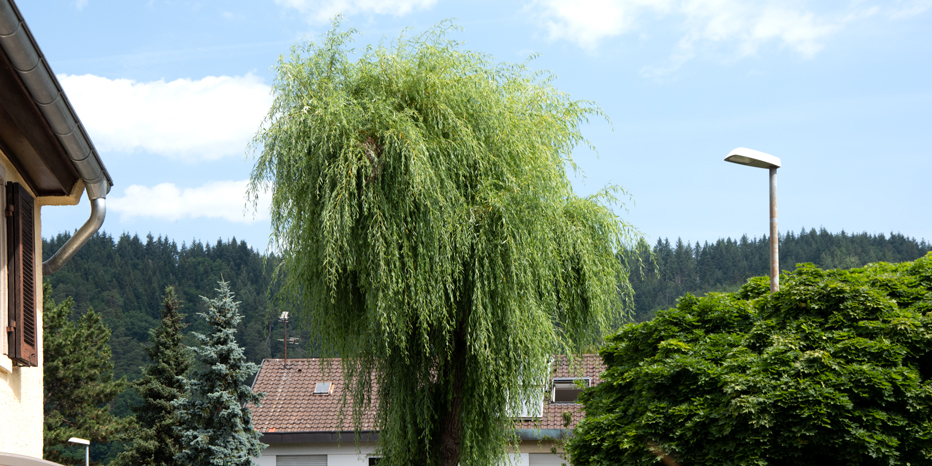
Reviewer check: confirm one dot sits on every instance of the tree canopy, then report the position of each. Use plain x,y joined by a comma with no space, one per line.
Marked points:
157,441
214,423
421,202
726,264
78,381
835,368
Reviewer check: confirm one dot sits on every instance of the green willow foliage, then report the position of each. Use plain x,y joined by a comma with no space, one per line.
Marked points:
835,368
422,206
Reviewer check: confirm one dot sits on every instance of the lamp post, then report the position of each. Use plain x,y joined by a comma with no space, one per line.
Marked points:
87,448
753,158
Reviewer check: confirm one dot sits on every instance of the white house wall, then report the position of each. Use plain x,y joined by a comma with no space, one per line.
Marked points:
343,454
347,454
20,387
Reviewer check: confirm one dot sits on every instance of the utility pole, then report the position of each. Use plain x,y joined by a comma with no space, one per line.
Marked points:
286,340
284,318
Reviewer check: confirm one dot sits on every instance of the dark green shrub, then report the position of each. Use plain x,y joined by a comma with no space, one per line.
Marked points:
832,369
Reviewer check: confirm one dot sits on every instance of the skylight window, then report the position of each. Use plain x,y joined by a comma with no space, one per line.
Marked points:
323,388
568,390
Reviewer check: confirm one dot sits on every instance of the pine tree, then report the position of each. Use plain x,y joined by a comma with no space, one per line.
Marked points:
158,440
216,427
79,381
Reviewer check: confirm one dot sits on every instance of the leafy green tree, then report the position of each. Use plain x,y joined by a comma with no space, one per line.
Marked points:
78,381
835,368
158,440
421,201
216,427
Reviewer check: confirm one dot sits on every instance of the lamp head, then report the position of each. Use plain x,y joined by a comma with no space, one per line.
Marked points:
79,441
284,315
752,158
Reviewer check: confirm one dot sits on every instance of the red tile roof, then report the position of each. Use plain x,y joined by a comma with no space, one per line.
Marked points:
290,405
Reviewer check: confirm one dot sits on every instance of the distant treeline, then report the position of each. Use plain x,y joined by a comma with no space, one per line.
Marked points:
683,267
124,278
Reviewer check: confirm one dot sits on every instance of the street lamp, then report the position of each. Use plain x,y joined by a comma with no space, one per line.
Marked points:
753,158
87,448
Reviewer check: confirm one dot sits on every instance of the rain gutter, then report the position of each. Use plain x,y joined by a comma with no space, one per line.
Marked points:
542,434
48,95
12,459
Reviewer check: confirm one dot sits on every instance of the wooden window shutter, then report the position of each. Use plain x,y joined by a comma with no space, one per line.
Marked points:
21,267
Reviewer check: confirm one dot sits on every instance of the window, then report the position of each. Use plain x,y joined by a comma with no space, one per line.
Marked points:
532,406
532,409
567,390
22,346
374,461
301,460
323,388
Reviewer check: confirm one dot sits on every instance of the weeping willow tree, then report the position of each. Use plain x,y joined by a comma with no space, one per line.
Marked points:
421,201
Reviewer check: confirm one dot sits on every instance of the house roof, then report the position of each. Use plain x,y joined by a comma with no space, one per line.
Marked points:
585,366
290,405
39,130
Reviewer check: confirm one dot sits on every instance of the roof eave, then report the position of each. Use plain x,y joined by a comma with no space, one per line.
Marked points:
45,92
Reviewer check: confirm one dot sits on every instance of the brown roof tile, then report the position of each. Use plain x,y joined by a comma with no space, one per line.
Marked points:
290,405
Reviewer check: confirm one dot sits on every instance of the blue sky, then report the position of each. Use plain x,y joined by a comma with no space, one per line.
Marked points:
171,92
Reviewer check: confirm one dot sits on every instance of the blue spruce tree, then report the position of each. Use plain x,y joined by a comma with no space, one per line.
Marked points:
216,427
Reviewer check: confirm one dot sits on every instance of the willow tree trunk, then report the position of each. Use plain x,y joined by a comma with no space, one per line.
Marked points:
451,429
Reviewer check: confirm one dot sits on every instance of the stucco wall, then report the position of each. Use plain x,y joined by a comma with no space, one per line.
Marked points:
21,388
343,454
346,454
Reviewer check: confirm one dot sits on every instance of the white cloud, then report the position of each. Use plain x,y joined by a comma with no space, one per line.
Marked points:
186,119
80,4
216,199
588,22
908,9
321,11
740,27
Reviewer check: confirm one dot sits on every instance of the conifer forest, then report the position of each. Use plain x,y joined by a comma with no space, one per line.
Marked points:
676,268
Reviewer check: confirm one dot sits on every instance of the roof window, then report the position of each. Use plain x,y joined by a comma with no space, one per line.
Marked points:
567,390
323,388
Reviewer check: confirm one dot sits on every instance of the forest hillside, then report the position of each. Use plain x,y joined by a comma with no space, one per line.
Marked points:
726,264
123,278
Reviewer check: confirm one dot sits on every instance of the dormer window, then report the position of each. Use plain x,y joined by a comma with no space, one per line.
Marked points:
567,390
532,409
323,388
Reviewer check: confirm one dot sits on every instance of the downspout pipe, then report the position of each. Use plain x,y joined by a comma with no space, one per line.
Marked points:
79,239
45,90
